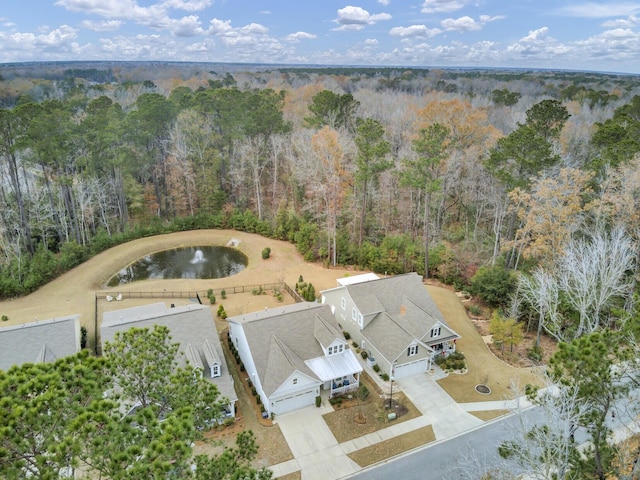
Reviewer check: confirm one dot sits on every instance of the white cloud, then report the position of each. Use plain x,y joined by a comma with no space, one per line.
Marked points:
468,24
187,5
103,26
296,37
415,31
186,26
433,6
630,22
384,2
600,10
356,18
462,24
373,42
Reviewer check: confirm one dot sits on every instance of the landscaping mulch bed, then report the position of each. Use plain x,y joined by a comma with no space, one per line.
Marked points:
345,422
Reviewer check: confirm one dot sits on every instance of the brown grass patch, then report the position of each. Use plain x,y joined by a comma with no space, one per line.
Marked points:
483,366
392,447
486,415
292,476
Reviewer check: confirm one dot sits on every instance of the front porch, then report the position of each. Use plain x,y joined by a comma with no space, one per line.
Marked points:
342,385
442,349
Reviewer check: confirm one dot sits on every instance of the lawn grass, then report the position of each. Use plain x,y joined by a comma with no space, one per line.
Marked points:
486,415
392,447
483,366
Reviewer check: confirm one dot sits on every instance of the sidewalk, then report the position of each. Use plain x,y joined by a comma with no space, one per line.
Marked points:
318,455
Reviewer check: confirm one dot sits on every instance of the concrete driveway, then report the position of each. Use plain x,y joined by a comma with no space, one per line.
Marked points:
316,452
440,410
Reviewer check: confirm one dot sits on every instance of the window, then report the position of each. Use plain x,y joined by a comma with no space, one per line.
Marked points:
215,371
330,350
435,332
413,349
343,303
354,314
340,348
360,318
295,381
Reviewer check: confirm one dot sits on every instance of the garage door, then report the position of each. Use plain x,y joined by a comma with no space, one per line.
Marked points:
413,368
294,402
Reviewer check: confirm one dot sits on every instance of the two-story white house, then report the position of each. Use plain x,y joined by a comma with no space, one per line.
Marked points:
292,353
395,320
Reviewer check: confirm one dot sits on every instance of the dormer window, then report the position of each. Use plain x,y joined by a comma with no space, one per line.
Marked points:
215,370
413,350
343,303
354,314
435,332
330,350
295,381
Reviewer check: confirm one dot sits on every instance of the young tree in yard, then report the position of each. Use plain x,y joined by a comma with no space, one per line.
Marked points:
370,162
505,331
422,173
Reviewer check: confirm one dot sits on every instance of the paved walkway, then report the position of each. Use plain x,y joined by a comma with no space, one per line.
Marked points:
318,455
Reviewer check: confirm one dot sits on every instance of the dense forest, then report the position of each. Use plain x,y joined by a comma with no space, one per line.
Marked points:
521,187
441,172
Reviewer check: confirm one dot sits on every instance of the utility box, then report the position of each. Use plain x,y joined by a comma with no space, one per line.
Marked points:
391,416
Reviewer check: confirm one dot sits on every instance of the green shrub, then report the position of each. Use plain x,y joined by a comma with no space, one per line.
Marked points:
209,292
5,318
212,299
376,368
223,294
346,334
494,285
266,253
384,377
364,354
474,309
318,401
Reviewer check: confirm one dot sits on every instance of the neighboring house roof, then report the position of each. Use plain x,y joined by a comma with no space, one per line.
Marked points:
365,277
39,342
402,312
191,326
286,339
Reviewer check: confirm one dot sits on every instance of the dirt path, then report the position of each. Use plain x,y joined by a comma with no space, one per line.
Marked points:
74,292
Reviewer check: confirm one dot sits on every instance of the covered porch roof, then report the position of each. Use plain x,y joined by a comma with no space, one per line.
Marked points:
334,366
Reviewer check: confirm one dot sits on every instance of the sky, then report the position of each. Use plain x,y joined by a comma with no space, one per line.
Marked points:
557,34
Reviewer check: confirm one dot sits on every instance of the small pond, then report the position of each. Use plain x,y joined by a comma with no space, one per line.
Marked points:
189,262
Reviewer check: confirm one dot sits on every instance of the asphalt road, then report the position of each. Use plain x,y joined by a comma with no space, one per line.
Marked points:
457,458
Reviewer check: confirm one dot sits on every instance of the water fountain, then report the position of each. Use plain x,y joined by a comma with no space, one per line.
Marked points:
198,257
186,262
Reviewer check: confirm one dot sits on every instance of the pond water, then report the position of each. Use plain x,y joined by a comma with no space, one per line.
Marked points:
189,262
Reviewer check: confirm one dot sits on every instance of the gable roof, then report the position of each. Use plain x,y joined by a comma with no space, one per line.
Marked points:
283,339
40,341
191,326
402,311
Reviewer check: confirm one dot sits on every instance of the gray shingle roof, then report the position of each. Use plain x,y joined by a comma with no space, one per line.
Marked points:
282,338
41,341
191,326
408,312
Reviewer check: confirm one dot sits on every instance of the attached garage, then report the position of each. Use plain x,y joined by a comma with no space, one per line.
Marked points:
413,368
294,402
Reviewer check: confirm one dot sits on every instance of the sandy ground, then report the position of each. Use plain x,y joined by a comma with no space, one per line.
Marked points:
75,291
